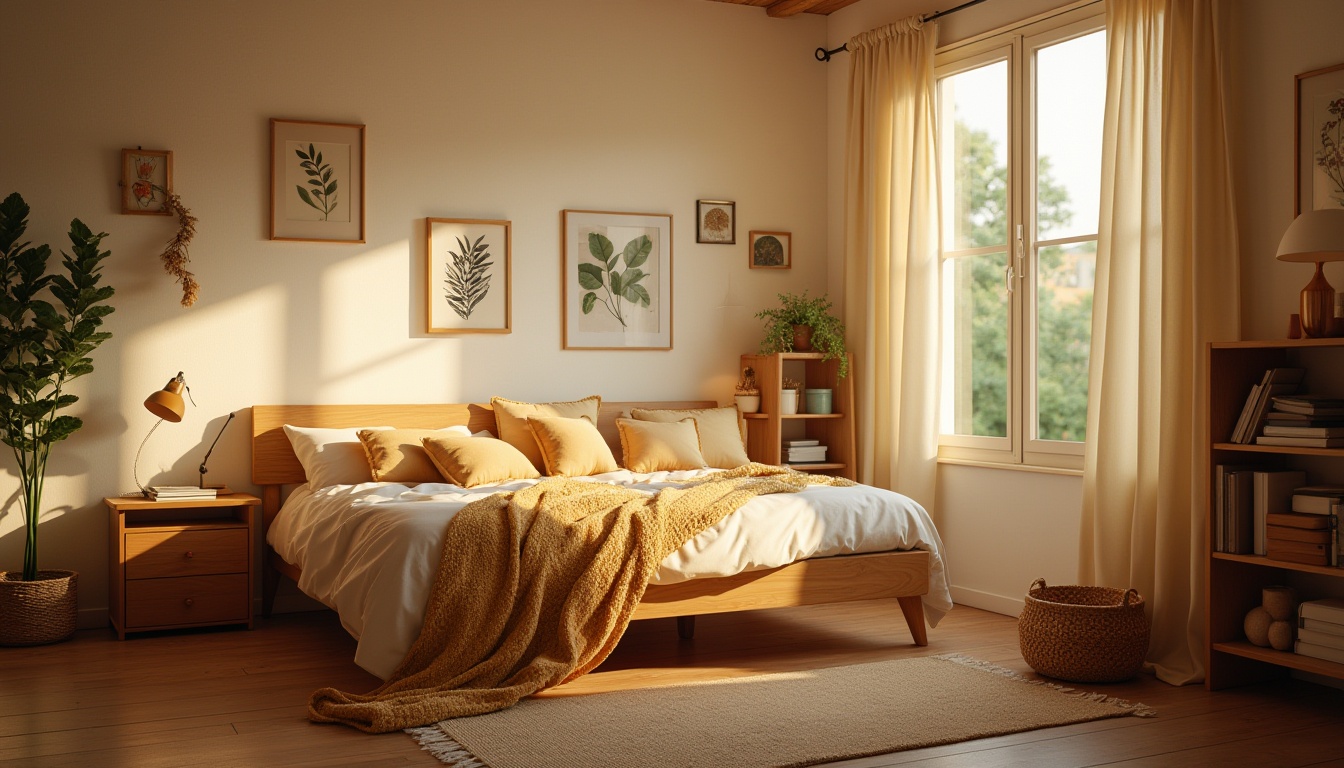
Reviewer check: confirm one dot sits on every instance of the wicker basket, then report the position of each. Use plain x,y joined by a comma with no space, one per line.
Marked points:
1083,634
37,612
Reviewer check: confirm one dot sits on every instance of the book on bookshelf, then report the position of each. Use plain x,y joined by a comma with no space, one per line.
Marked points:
1277,431
1322,627
1286,419
1301,442
1273,490
1316,637
1327,609
1285,533
800,443
1276,382
1316,499
1298,520
1233,485
1312,405
1319,651
816,453
1303,552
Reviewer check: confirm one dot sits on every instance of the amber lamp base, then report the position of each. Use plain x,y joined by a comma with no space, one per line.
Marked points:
1318,306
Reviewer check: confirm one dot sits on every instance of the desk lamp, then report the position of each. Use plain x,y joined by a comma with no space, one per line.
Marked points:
1316,236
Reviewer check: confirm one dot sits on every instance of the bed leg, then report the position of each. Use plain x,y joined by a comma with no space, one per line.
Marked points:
270,584
913,608
686,627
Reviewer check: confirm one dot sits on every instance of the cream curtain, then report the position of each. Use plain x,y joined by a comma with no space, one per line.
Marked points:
1167,283
891,278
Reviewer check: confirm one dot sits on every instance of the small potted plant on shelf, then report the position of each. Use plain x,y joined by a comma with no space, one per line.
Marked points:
804,324
748,395
49,323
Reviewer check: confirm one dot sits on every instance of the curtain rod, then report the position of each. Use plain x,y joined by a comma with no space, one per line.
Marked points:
824,55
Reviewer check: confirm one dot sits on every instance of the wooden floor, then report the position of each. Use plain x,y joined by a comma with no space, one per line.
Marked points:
237,698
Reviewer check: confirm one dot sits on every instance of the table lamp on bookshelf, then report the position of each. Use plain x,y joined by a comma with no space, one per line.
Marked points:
168,405
1316,236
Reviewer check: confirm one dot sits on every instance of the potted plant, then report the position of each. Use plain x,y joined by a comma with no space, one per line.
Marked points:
803,324
49,323
747,394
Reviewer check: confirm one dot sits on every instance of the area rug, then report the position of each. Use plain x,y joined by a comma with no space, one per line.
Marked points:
769,721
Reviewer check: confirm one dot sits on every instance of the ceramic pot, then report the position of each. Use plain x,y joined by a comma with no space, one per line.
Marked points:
802,338
788,401
748,403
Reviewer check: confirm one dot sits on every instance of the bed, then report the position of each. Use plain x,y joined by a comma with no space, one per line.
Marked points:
913,574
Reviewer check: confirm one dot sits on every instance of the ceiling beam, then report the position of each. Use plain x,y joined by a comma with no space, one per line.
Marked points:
785,8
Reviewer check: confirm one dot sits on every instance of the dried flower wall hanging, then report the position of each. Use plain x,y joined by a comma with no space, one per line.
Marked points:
175,256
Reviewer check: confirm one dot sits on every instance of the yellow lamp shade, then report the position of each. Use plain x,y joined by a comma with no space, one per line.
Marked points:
167,403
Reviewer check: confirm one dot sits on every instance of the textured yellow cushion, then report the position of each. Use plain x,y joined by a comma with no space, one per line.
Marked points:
473,461
571,447
720,436
396,455
511,421
653,446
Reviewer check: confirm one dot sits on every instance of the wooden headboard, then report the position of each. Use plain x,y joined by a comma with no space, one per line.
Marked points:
274,462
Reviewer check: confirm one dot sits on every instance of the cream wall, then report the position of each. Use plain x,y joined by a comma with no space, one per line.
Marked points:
510,109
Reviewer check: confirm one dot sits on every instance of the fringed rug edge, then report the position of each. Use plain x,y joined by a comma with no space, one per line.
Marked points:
435,741
1137,709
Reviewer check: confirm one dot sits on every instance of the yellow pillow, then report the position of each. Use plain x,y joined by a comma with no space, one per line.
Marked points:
473,461
511,420
396,455
720,436
571,447
651,446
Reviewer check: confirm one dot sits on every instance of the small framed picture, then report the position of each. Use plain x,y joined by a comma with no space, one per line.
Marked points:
770,250
146,181
1320,139
467,271
716,222
317,181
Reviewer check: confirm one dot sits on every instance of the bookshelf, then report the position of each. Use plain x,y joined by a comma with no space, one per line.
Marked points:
1233,582
767,429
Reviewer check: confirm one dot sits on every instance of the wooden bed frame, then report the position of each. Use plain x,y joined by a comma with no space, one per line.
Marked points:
903,575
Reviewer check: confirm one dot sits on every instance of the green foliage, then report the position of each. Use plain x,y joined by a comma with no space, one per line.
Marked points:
43,346
617,285
468,280
323,195
828,333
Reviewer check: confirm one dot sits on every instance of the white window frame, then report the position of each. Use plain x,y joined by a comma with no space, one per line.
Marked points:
1016,44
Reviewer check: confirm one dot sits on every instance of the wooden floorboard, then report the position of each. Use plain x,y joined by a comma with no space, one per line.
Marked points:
237,698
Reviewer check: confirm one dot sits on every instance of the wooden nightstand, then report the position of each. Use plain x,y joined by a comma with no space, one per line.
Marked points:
175,564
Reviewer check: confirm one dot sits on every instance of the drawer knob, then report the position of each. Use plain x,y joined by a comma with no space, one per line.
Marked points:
190,554
188,602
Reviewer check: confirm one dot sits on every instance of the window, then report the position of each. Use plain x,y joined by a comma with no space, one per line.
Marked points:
1019,129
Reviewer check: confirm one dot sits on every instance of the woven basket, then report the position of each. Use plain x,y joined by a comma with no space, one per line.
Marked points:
37,612
1083,634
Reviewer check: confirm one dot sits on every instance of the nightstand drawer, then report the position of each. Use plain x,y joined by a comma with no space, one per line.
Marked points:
187,600
157,554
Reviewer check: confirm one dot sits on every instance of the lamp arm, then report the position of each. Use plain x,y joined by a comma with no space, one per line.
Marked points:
203,470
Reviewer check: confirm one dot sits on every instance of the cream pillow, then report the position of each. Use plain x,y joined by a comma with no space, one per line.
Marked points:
571,447
473,461
511,421
652,446
396,455
330,456
720,436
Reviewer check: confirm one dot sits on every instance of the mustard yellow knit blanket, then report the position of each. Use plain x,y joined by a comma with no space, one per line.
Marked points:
535,588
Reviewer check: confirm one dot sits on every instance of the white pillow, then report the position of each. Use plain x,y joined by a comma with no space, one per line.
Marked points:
331,456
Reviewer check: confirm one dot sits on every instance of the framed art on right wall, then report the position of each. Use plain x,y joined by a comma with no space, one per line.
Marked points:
1320,139
770,250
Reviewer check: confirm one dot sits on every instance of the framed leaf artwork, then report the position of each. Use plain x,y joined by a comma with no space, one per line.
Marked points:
146,181
467,274
317,181
616,280
716,221
1320,139
770,250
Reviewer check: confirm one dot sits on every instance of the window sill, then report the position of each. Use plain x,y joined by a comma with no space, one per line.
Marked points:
1012,467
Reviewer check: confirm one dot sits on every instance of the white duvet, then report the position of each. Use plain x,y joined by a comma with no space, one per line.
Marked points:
370,551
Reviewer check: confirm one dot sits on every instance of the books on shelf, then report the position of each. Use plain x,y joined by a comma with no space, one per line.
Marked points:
1275,383
1274,430
809,454
1311,405
180,493
1273,491
1316,499
1330,609
1305,552
800,443
1318,637
1298,520
1301,442
1233,508
1319,651
1319,626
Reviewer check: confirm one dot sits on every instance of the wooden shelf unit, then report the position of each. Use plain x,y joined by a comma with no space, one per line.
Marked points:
767,429
1233,583
182,563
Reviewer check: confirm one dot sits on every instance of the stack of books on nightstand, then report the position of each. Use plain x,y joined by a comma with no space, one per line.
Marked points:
180,493
804,452
1320,629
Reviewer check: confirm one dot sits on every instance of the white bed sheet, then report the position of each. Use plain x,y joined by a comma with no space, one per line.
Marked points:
370,551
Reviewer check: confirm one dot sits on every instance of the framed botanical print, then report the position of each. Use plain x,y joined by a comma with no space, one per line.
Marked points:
146,181
770,250
616,280
467,275
716,221
1320,139
317,181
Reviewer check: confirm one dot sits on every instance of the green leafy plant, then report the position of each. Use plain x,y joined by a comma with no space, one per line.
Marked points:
468,279
618,286
49,323
323,196
828,333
